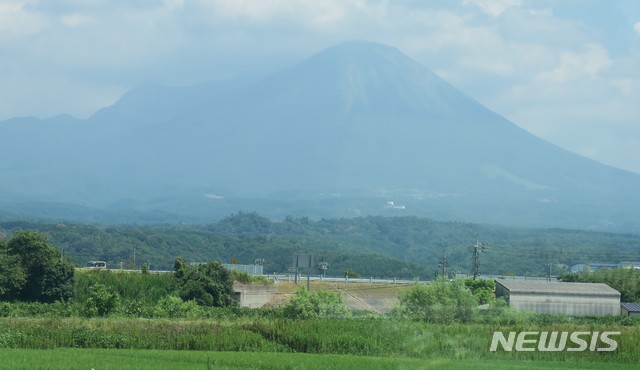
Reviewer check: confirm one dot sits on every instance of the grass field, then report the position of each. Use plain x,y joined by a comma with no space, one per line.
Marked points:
153,359
369,337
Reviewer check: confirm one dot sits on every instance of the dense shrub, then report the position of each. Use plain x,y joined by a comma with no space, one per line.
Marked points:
102,301
439,302
318,303
174,307
483,289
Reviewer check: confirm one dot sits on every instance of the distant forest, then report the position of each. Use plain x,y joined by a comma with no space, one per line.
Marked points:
375,246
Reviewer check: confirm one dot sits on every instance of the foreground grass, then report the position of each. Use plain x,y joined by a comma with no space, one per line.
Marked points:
377,338
68,358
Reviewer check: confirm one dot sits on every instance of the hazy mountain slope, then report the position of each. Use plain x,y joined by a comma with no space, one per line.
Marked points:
359,119
364,116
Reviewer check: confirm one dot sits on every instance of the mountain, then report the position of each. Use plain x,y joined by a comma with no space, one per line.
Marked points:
343,133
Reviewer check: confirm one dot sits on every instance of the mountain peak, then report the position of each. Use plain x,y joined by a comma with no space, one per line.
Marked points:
362,48
363,75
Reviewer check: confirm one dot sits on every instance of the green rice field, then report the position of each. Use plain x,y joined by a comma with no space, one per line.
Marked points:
70,358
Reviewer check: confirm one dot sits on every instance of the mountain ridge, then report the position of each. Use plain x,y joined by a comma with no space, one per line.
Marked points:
358,119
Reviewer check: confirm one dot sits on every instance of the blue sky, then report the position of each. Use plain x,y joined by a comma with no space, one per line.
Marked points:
566,70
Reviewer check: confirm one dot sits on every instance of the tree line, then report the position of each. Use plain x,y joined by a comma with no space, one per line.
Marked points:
374,246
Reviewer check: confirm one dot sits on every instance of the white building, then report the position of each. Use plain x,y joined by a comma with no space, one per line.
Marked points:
575,299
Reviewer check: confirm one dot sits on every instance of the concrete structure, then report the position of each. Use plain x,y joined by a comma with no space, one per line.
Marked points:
630,308
253,295
575,299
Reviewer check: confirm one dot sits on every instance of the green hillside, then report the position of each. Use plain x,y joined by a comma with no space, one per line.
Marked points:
403,247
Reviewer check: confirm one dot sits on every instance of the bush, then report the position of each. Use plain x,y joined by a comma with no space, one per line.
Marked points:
483,289
318,303
7,309
102,301
174,307
439,302
499,312
134,308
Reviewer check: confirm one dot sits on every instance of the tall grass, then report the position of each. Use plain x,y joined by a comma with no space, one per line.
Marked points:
367,337
132,334
145,288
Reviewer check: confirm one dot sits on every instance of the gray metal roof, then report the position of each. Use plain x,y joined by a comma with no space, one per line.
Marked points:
631,306
554,287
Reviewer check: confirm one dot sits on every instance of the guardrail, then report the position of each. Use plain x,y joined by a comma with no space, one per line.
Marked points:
301,277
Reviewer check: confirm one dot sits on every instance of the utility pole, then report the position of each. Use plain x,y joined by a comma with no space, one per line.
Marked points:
293,270
476,249
258,262
323,267
548,265
134,259
443,264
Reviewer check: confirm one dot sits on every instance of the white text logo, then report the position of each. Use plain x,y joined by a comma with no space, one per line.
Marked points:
553,341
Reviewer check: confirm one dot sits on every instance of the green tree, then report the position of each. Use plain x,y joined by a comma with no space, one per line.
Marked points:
483,289
209,285
12,276
179,267
48,278
439,302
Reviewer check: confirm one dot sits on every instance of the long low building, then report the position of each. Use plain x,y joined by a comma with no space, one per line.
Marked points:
574,299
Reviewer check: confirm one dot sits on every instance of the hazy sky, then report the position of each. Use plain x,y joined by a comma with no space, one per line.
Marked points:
565,70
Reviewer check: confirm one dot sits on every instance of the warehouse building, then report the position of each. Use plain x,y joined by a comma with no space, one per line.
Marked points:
630,308
575,299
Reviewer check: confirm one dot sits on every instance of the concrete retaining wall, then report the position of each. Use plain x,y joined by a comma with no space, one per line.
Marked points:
253,295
